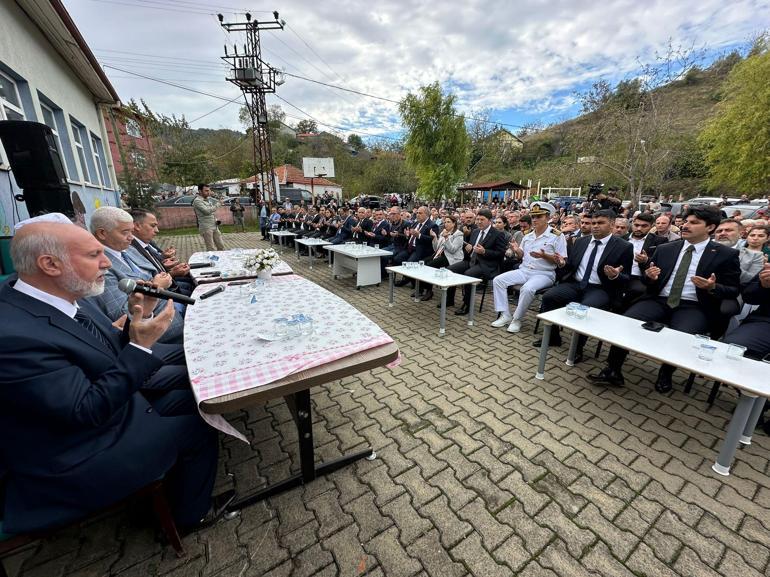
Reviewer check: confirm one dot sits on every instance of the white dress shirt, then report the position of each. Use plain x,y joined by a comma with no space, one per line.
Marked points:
594,278
638,245
688,290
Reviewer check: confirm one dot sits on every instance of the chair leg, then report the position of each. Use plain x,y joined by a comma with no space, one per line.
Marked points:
714,392
598,349
166,520
537,325
688,386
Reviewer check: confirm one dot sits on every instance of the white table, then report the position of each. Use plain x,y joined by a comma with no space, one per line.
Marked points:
280,235
358,259
428,274
229,265
311,243
677,349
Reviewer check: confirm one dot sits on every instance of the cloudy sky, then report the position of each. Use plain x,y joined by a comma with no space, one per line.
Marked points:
522,59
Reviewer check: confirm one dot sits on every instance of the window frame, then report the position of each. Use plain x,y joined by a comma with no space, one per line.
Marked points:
4,165
133,128
80,152
97,158
46,108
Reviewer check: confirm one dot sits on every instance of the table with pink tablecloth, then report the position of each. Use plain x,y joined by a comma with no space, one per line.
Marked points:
230,264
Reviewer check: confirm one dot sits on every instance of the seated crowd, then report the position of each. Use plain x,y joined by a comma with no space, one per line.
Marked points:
105,371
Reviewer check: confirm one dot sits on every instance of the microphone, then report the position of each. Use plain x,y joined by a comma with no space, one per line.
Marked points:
128,286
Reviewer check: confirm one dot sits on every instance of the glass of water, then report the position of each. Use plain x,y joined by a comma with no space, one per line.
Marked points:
735,352
706,352
281,328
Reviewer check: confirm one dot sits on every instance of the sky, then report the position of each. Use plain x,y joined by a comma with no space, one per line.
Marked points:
525,61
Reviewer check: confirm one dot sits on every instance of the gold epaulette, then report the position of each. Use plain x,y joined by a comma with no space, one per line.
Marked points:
556,231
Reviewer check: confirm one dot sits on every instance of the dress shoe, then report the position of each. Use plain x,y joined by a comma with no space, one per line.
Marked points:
663,384
402,282
427,296
502,320
554,342
607,376
219,504
463,310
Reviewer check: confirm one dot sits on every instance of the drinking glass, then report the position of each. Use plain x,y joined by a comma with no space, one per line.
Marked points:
281,328
701,340
572,309
735,352
706,352
581,312
377,247
420,264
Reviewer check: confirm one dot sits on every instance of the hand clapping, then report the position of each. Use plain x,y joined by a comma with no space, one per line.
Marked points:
653,272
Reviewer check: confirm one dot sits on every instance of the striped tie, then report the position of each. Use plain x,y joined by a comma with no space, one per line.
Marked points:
85,321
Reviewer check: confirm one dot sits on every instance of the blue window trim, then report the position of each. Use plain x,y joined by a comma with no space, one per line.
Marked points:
85,142
64,137
102,161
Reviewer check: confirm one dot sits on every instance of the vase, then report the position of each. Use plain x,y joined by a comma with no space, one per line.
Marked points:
265,274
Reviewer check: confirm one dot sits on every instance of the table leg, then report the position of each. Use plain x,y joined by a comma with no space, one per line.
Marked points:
756,412
311,252
734,431
301,409
280,243
416,290
540,374
472,310
572,349
442,316
329,254
296,249
391,281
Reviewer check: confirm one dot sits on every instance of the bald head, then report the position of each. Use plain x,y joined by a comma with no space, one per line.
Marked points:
60,259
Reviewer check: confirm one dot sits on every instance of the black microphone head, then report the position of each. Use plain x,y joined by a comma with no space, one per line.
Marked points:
127,285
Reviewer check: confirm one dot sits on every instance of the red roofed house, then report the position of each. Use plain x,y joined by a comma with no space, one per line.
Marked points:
291,176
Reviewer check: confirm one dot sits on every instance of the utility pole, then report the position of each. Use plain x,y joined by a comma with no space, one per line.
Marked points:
255,78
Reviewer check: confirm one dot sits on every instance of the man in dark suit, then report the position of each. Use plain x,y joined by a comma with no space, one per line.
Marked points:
419,245
644,243
484,253
345,230
380,233
594,274
363,226
77,433
686,285
145,230
754,332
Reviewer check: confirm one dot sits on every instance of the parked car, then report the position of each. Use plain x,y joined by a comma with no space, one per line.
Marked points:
295,195
186,200
750,211
244,200
372,202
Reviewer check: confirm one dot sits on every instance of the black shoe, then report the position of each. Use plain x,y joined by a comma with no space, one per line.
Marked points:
219,504
554,342
427,296
402,282
607,376
463,310
663,384
579,358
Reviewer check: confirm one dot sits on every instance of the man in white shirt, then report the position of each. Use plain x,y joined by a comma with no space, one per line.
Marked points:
538,252
686,284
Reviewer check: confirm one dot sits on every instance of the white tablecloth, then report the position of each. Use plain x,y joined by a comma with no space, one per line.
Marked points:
229,264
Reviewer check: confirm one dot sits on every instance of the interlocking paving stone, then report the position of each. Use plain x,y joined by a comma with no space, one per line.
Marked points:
482,470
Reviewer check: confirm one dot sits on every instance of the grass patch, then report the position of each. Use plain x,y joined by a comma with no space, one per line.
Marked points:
224,228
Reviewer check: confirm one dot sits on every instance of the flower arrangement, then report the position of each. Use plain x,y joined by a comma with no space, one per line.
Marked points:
262,259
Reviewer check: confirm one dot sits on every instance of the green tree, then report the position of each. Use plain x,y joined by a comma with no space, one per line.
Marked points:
305,126
437,144
355,141
736,141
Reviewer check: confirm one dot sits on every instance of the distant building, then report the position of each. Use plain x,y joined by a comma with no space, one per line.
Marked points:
130,145
507,138
292,177
49,75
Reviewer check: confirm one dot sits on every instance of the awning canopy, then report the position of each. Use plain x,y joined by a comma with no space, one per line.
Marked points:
492,186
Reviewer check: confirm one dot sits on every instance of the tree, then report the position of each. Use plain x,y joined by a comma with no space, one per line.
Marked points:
437,144
306,126
356,142
631,130
736,141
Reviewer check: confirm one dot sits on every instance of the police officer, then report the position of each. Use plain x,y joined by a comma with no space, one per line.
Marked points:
537,251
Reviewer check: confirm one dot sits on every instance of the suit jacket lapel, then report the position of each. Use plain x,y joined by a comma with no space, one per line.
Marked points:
606,253
667,269
55,318
580,249
706,260
149,256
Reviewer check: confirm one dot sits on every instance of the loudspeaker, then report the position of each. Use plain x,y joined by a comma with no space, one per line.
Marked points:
37,166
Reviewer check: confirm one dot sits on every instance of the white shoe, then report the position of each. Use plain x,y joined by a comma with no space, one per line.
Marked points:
503,320
514,327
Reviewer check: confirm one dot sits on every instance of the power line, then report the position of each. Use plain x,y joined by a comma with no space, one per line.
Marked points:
181,87
215,110
313,51
153,7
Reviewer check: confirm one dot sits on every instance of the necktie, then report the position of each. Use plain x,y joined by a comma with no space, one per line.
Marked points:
474,254
413,240
85,321
589,268
130,264
675,296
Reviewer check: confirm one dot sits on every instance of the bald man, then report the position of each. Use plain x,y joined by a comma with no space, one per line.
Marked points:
78,432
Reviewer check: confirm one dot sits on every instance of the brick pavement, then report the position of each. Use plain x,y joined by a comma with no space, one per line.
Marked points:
481,470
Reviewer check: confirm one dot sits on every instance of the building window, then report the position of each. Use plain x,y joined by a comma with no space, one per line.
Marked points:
77,134
49,118
98,148
97,161
140,160
133,128
10,106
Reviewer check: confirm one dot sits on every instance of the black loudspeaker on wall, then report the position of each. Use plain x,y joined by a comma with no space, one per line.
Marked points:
37,166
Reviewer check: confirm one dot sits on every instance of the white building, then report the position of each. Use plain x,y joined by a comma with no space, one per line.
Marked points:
49,75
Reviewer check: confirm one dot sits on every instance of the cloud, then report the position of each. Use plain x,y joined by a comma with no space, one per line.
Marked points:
520,59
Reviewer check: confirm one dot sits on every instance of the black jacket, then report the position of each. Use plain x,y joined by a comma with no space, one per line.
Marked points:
618,252
494,246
